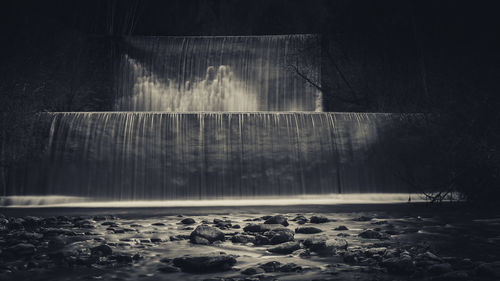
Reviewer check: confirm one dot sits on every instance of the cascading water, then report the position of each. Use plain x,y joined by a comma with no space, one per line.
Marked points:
143,155
175,151
236,73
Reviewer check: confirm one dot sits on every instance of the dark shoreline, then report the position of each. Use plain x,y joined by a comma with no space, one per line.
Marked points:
137,212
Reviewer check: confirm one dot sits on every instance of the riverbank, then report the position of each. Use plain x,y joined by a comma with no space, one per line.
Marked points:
413,241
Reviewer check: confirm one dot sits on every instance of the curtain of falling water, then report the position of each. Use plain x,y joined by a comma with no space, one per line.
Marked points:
235,73
138,155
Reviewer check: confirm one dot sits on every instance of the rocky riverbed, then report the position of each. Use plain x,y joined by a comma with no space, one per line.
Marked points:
249,245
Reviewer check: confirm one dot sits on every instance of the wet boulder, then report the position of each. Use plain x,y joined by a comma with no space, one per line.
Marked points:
123,258
324,246
341,228
376,251
308,230
318,219
222,224
31,223
351,257
188,221
84,224
271,266
491,269
19,250
362,218
275,236
101,250
204,234
15,224
260,227
279,219
253,271
179,237
372,234
315,242
300,219
205,263
285,248
399,265
440,268
110,224
57,242
242,238
280,235
290,267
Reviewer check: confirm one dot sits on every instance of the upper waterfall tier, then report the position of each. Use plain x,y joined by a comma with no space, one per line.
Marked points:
235,73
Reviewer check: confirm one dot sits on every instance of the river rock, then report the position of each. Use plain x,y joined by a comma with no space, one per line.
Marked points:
315,242
204,233
31,223
351,257
271,266
279,235
222,224
290,267
308,230
324,246
362,218
300,219
20,250
188,221
399,265
123,258
440,268
279,219
101,250
179,237
84,224
491,270
318,219
372,234
205,263
260,227
253,271
285,248
341,228
110,223
242,238
57,242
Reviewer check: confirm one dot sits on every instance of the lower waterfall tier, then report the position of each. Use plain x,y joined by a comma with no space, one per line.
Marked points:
166,156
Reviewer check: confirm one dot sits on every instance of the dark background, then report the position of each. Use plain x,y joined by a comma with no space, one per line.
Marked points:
378,55
438,57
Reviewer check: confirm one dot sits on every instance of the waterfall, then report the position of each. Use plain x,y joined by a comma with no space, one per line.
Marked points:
235,73
216,118
148,155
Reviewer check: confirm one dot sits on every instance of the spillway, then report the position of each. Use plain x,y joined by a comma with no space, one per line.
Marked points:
214,155
215,118
218,73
